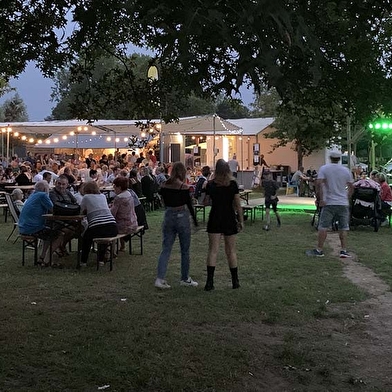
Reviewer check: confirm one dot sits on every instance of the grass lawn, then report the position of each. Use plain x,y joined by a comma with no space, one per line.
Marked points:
69,330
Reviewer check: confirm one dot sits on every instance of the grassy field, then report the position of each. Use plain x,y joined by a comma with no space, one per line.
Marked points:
88,330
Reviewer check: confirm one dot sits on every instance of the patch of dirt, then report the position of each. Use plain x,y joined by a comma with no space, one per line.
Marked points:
348,350
370,346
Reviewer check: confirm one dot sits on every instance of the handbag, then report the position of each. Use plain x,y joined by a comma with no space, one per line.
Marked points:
64,208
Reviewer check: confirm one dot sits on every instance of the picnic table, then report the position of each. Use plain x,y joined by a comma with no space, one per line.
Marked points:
72,222
244,195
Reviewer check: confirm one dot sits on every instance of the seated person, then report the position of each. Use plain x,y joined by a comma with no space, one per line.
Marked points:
61,193
100,221
32,223
123,209
300,179
17,196
134,183
23,178
386,197
200,190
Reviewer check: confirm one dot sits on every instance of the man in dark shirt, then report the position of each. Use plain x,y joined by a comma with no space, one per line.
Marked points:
90,160
61,193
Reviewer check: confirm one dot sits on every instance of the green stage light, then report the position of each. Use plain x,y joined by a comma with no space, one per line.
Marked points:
381,124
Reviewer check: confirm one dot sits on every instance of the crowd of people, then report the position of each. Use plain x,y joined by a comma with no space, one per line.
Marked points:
134,176
57,180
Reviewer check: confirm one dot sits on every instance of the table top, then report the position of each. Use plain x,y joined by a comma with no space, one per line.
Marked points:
21,187
64,217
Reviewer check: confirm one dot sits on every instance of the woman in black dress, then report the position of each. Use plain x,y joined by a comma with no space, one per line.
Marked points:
225,218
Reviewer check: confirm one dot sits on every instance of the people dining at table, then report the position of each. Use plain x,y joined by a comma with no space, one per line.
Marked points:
33,223
123,209
100,221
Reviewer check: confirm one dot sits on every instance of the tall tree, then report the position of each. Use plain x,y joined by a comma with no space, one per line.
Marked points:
266,103
14,110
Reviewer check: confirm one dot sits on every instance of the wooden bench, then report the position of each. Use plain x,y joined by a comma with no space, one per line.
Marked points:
139,232
200,208
249,211
29,242
111,243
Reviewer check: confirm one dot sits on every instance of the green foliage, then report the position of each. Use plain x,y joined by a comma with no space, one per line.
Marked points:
231,108
266,103
14,110
338,50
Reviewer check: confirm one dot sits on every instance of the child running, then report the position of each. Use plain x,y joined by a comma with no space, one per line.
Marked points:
271,200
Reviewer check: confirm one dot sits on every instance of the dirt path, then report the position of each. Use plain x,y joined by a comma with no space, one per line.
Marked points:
371,345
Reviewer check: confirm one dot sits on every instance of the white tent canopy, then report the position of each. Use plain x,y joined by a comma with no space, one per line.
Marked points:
115,133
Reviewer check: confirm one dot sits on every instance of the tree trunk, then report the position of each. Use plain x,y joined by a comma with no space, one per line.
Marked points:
300,155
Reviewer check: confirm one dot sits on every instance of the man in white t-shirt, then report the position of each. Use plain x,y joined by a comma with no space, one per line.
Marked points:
334,187
234,166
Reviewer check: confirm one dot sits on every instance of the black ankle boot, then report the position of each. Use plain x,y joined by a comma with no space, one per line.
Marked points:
210,279
234,278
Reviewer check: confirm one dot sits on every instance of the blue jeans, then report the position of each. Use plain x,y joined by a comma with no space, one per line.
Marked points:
175,222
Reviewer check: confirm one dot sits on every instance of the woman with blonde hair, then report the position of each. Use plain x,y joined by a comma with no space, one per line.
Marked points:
225,210
178,207
100,221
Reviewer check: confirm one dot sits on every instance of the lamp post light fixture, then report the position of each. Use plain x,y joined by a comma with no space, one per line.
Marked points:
153,75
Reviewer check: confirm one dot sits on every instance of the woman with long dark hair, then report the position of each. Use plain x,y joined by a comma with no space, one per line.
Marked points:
178,207
226,218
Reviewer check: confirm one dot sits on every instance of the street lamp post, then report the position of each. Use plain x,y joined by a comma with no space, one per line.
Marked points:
9,130
153,75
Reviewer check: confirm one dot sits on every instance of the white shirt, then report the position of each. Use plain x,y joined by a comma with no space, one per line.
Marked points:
335,178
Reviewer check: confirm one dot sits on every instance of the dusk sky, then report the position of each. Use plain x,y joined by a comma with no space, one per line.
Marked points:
35,91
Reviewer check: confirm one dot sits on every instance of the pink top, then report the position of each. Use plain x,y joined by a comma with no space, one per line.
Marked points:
123,210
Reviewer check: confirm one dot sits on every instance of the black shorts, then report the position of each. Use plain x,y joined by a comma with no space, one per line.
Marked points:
271,203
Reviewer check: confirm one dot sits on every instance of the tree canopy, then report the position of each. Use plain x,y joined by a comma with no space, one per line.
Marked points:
339,50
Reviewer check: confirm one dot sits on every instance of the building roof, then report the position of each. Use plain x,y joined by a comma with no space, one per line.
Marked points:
252,126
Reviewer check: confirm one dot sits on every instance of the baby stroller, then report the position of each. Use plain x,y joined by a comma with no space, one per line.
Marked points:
366,207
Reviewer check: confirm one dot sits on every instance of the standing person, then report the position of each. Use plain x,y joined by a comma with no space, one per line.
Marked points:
234,166
178,207
100,221
331,184
226,205
271,200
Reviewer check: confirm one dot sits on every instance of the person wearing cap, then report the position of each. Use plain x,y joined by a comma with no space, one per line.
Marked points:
334,186
17,196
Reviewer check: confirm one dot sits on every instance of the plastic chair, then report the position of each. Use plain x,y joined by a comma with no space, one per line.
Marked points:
291,185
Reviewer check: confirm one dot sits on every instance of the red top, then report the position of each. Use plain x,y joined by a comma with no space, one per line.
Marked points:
385,194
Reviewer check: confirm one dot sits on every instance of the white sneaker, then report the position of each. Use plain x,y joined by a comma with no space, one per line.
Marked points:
189,282
161,284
